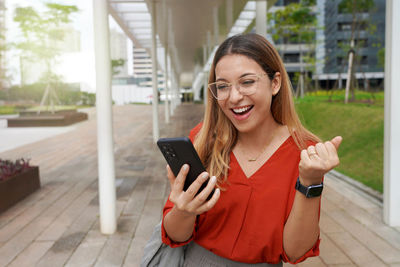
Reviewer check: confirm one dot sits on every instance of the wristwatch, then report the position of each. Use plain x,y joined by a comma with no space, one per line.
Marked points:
309,191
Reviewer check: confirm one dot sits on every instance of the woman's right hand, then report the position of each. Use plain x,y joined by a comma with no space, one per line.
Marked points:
187,202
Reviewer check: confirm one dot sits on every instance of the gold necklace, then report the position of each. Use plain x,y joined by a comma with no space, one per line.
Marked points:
256,158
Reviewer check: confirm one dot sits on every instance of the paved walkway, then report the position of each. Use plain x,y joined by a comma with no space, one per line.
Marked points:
58,225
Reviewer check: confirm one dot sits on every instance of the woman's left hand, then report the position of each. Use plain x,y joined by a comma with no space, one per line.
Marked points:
317,160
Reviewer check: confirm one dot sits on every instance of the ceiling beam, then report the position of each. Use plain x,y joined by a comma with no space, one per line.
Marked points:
124,27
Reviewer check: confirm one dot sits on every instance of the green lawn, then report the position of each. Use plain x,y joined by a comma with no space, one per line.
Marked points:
14,110
4,110
360,124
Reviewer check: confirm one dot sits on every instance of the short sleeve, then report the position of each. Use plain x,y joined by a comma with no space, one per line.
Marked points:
193,133
165,238
314,251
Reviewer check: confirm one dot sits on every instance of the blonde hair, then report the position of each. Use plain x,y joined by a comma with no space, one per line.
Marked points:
218,136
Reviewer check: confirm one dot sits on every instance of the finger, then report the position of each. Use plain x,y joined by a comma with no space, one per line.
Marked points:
211,203
311,151
336,141
332,153
331,148
203,195
180,179
304,156
321,150
195,186
171,176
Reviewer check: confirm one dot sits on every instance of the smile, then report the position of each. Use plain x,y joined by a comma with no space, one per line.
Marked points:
242,110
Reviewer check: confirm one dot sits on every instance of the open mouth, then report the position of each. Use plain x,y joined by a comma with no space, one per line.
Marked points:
242,110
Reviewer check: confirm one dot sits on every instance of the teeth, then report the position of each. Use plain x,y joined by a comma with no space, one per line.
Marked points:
241,110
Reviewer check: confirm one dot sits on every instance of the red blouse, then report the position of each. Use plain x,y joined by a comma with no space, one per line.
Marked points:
246,224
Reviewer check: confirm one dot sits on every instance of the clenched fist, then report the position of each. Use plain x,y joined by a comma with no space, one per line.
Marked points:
317,160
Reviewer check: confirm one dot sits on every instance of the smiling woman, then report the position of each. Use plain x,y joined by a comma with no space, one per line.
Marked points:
268,168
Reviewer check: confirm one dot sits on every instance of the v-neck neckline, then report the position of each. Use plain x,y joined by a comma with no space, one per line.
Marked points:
265,163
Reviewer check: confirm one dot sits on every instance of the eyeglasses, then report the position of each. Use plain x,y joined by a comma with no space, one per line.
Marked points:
246,85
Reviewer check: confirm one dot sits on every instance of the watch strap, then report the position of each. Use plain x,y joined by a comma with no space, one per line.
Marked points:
309,191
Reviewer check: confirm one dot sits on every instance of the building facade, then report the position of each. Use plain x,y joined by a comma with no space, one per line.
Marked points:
369,39
332,44
294,53
142,69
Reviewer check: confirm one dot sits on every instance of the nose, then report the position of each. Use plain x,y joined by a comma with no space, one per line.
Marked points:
234,95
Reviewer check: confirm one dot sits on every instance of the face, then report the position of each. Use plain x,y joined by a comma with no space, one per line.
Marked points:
246,112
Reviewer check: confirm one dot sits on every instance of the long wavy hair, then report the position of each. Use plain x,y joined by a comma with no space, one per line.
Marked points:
218,136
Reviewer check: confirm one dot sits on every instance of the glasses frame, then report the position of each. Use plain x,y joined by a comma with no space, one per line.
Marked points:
259,76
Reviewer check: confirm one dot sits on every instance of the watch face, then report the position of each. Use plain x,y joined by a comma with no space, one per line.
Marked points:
314,191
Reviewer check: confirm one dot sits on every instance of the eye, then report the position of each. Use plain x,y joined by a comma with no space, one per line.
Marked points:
247,82
222,86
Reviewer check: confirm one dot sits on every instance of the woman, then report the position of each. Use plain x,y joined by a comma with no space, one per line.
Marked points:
257,154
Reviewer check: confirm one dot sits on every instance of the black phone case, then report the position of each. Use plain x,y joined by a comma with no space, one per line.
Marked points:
178,151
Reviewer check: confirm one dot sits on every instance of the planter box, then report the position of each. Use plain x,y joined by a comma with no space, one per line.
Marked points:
18,187
47,119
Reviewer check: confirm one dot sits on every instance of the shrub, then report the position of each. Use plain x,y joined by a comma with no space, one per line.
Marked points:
10,168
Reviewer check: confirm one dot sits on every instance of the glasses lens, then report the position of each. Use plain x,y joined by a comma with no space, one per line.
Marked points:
220,90
248,84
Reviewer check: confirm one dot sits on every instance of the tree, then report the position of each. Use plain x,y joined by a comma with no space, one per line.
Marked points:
41,34
115,64
3,48
355,8
297,23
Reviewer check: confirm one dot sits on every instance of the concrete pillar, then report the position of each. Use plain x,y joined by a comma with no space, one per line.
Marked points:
105,143
261,17
156,131
216,25
229,15
166,104
167,93
391,196
173,91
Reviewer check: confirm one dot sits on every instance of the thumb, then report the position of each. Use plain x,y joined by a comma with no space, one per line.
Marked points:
336,141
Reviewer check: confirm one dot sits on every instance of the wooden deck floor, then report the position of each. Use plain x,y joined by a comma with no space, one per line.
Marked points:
58,225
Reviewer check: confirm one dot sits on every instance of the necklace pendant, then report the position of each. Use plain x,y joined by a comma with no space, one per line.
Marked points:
250,160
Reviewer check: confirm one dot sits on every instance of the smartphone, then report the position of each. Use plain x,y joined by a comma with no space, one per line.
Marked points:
178,151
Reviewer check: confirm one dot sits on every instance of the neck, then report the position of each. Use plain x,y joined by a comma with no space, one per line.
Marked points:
261,136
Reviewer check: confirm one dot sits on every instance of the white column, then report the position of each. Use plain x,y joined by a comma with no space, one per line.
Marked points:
156,131
391,196
216,25
178,91
229,15
173,91
166,104
261,17
105,145
166,84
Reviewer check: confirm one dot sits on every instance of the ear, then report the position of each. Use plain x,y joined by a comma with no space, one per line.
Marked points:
276,83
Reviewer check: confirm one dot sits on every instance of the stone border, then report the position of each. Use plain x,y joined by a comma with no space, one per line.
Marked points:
359,186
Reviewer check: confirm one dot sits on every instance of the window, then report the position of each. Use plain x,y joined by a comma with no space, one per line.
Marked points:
287,2
339,61
291,58
364,60
344,26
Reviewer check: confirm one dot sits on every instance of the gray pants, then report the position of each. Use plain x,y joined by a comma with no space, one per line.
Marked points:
197,256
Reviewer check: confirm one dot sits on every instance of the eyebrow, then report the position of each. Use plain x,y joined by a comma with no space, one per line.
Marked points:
241,76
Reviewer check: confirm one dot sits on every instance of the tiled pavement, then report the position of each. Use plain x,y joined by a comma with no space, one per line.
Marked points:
58,225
